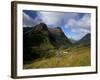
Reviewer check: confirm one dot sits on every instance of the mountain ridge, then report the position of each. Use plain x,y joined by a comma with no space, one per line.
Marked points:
85,39
56,35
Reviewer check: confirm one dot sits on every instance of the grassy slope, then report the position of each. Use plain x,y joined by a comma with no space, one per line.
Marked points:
77,56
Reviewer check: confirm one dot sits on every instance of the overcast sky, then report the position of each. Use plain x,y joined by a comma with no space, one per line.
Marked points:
74,25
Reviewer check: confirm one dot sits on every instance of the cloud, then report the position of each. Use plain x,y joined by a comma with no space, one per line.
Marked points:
50,18
27,20
82,25
55,19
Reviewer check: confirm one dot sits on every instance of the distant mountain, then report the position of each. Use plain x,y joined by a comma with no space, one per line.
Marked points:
85,40
72,40
26,29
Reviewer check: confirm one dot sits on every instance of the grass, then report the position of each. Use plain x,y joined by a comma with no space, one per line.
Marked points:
77,56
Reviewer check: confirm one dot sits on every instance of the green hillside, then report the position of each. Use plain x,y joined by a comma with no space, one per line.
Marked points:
76,56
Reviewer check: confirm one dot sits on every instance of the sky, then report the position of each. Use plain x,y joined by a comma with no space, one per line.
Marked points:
74,25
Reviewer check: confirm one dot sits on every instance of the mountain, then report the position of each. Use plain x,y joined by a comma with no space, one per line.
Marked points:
58,38
35,42
54,36
37,36
85,40
39,40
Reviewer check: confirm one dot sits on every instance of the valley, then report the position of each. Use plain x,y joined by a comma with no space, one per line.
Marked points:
76,56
